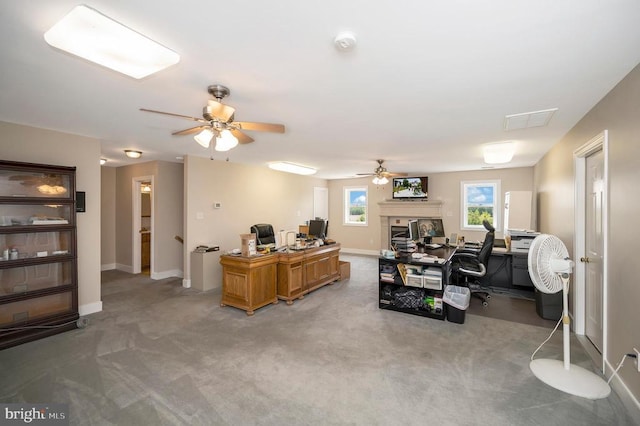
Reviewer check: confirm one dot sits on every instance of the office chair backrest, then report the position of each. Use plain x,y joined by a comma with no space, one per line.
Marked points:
264,233
487,245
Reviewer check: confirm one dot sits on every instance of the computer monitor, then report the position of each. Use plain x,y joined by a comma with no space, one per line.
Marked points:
430,228
317,228
414,234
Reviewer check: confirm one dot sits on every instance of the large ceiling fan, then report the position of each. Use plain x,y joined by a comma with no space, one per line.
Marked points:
218,121
381,175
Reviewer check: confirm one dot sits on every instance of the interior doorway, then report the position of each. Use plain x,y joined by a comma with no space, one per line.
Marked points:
143,225
591,243
145,228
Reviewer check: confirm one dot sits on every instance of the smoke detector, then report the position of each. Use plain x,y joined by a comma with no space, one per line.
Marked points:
345,41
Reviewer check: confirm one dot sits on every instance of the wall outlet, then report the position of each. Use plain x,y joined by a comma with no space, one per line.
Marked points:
637,359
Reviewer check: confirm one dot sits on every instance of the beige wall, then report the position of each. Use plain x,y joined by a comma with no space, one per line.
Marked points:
167,211
168,197
248,195
29,144
108,217
444,187
617,112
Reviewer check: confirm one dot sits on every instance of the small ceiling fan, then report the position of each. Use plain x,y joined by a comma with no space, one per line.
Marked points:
381,175
218,121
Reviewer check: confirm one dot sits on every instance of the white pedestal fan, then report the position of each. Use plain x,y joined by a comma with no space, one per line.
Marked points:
550,268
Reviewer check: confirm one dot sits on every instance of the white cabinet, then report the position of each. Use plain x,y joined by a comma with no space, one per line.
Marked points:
517,210
205,270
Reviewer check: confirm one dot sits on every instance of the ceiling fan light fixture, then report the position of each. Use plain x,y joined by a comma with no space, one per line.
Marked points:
380,180
131,153
499,153
226,141
204,138
345,41
284,166
87,33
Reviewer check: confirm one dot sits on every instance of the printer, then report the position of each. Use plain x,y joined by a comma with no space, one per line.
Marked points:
521,239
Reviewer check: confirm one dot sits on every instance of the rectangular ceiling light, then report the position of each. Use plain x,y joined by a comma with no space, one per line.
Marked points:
87,33
528,119
284,166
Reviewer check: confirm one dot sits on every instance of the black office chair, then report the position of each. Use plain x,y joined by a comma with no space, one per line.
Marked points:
472,264
264,234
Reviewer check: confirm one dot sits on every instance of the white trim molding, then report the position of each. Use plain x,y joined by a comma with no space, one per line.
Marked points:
90,308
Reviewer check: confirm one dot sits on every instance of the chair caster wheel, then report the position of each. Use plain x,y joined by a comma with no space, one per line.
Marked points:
485,304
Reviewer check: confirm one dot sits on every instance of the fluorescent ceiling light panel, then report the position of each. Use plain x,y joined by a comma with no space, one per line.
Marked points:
528,119
283,166
87,33
499,153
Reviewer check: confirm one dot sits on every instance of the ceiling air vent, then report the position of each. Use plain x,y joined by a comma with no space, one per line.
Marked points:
528,119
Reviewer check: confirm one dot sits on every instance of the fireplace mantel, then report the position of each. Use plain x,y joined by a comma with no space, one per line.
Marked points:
414,209
405,209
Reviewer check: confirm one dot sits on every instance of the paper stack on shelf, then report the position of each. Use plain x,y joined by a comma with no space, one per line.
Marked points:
48,220
403,244
388,277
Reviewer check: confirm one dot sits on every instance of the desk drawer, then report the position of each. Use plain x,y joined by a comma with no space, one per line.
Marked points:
432,283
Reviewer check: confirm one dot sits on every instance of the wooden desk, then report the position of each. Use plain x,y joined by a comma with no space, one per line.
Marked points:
300,272
249,283
252,282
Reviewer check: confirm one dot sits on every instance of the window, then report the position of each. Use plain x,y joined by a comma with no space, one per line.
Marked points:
480,200
355,205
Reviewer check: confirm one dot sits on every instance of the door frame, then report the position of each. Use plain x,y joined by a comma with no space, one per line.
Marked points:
600,141
136,220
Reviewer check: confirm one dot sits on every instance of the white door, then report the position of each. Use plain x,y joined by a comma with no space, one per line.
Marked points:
594,247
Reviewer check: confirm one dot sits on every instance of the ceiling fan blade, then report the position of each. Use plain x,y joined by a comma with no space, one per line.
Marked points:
365,174
190,130
260,127
220,111
242,137
389,174
201,120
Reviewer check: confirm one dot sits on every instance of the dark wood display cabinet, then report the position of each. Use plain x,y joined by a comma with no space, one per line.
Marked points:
38,256
415,287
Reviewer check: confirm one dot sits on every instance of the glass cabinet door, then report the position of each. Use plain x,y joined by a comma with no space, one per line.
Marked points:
24,279
35,245
35,214
23,183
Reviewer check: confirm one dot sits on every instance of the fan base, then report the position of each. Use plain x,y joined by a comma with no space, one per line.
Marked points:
575,381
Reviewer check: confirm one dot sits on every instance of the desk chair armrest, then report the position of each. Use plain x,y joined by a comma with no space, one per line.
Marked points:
465,254
479,273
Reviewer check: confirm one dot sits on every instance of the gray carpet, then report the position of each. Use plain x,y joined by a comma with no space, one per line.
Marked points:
162,354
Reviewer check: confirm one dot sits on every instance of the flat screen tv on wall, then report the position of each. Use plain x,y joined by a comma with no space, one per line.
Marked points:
410,188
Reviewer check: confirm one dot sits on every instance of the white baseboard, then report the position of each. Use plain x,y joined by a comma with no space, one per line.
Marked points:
90,308
124,268
166,274
360,251
108,267
630,402
186,283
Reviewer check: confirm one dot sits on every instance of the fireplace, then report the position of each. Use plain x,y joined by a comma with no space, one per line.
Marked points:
392,211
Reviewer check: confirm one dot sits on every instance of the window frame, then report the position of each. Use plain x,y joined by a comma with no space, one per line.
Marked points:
464,207
346,205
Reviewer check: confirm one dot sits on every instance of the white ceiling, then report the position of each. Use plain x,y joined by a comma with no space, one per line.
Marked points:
427,85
